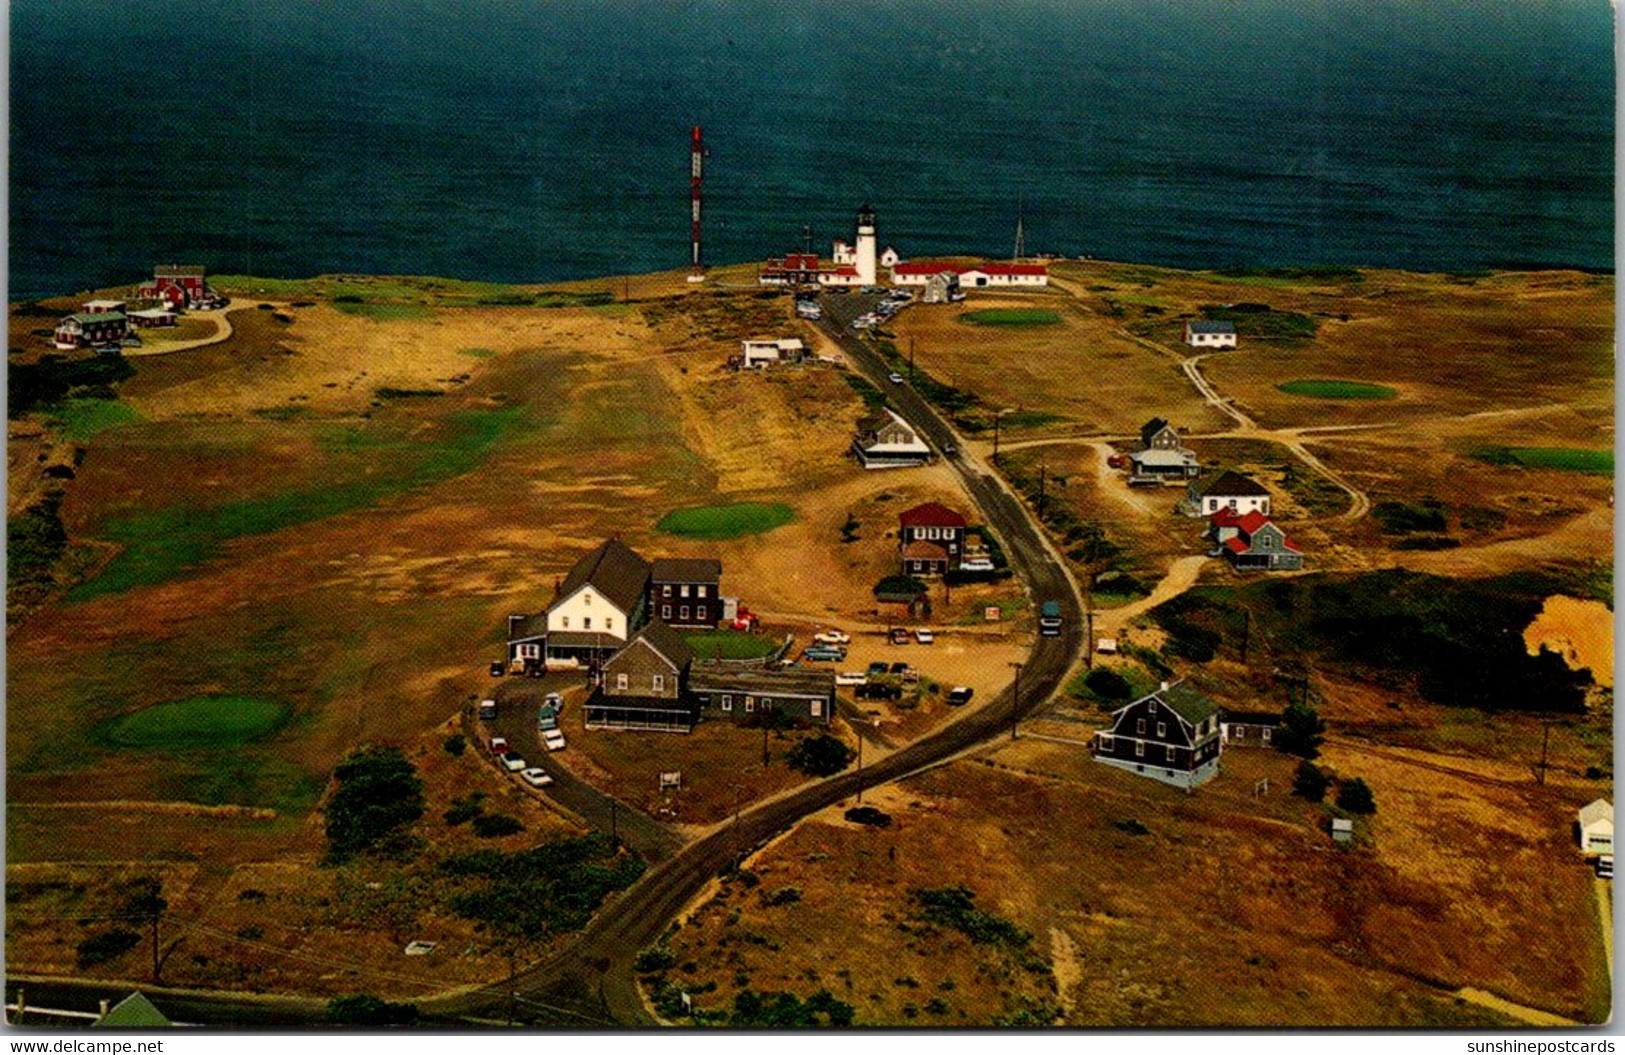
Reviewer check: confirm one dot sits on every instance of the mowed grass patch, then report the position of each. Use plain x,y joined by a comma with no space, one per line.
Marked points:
81,419
731,644
161,544
726,521
385,312
1327,388
1011,317
199,723
478,353
1572,459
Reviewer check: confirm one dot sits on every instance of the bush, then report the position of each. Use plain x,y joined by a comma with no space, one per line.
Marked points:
1131,826
1107,684
378,794
455,744
820,756
465,809
1399,518
787,1011
1300,731
955,907
108,945
655,958
1309,782
905,587
787,895
1354,795
496,825
364,1009
868,815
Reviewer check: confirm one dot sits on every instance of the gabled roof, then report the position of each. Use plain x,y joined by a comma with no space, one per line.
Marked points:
1230,483
1592,812
712,677
99,316
935,267
930,514
923,550
613,569
133,1012
1183,698
1248,522
1210,326
664,640
685,569
1150,429
528,627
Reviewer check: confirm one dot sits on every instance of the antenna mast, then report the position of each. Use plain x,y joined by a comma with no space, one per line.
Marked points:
695,182
1021,235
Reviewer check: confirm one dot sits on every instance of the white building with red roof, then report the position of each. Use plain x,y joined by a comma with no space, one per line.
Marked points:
1253,542
931,538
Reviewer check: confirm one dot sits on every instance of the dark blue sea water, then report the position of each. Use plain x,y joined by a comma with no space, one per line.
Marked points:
521,140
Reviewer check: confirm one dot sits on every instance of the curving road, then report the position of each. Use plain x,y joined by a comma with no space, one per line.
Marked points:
594,976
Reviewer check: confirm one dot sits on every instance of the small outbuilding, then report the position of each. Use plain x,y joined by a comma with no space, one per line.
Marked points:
1596,827
1342,830
1210,333
760,353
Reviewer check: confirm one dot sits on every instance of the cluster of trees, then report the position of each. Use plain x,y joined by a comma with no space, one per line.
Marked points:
820,756
1301,733
378,794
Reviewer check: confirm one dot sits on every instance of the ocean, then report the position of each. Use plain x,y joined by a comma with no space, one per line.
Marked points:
525,141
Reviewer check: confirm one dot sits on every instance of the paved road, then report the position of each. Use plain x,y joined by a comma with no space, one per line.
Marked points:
591,981
594,976
518,701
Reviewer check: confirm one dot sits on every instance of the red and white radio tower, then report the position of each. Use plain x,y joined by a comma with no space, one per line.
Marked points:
695,180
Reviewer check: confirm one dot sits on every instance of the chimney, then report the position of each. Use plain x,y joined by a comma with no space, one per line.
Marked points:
1164,687
103,1004
558,584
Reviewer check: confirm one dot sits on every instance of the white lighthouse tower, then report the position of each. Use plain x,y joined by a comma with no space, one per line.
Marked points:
865,262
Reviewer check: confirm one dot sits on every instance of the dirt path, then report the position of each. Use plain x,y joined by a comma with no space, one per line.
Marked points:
222,332
1182,575
1068,971
1532,1016
1112,485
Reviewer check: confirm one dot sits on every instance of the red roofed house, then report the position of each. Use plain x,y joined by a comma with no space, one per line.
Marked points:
931,538
1253,542
792,269
180,287
979,276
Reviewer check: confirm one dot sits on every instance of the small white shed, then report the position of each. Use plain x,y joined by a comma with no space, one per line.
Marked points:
1342,830
1597,827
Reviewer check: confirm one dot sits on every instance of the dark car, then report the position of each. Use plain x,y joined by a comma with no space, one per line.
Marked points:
899,668
960,695
899,636
497,669
877,667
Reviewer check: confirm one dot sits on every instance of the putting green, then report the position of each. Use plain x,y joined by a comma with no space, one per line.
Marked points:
1323,388
200,722
726,521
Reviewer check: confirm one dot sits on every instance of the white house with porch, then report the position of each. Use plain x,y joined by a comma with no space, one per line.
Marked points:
1596,824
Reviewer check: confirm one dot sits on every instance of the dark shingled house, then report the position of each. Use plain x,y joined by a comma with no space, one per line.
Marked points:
644,685
685,591
1172,735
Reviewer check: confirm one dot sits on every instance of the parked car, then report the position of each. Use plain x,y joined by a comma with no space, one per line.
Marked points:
977,564
911,676
832,637
899,636
488,710
555,701
512,762
851,677
499,746
960,695
924,636
824,654
877,669
553,739
546,722
536,777
876,690
1605,866
899,668
895,379
498,669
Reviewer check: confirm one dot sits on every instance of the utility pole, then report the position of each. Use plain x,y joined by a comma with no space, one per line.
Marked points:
1545,739
1043,474
735,829
1015,700
997,416
860,767
1246,633
1089,617
614,823
764,745
911,360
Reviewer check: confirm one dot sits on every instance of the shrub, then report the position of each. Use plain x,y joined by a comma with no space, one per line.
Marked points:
108,945
1309,782
1355,796
819,756
655,958
364,1009
955,907
465,809
455,744
1108,684
496,825
1300,732
785,895
1131,826
378,794
905,587
1399,518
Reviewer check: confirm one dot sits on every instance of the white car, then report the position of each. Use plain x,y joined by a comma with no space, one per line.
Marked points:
895,379
832,637
536,777
512,762
852,677
553,739
924,636
976,564
554,700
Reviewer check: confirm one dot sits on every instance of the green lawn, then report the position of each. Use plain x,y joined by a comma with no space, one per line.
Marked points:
1322,388
80,419
385,312
1011,317
732,644
202,722
163,543
726,521
1574,459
